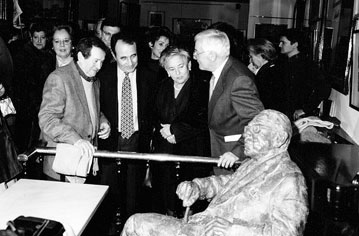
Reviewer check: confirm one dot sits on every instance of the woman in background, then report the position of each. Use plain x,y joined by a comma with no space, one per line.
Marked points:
262,56
62,48
29,79
180,126
158,39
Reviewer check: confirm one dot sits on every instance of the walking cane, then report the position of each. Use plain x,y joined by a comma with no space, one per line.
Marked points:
185,218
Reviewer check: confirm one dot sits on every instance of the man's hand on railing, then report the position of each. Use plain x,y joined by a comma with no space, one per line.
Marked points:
87,149
188,191
105,130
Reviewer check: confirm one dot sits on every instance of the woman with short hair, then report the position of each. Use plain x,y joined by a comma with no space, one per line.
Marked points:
180,126
262,57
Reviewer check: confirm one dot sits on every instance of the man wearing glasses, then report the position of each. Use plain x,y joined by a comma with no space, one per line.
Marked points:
233,97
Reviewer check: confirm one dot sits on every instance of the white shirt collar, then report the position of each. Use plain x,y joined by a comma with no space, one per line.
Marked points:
218,71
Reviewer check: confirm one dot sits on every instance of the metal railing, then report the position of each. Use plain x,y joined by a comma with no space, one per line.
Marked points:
124,155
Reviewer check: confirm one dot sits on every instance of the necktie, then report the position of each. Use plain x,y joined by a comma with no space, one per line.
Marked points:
211,86
127,126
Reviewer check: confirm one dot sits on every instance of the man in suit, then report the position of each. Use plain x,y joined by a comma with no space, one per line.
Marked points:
70,108
127,101
233,101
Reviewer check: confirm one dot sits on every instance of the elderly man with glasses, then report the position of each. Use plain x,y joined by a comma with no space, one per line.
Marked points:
267,194
233,97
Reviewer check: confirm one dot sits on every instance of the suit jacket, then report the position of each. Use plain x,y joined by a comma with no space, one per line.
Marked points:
109,106
269,83
64,115
233,104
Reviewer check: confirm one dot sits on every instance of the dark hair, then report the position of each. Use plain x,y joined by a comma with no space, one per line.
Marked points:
110,22
294,36
127,37
155,34
263,47
67,28
38,27
85,45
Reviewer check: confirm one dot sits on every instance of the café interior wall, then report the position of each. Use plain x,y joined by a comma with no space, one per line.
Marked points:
269,12
216,11
348,116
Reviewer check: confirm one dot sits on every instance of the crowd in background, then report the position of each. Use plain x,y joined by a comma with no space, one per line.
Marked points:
173,118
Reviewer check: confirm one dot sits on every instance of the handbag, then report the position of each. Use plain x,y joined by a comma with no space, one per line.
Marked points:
10,167
7,107
34,226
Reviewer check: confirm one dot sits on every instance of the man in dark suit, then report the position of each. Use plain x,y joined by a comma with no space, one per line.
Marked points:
131,134
233,101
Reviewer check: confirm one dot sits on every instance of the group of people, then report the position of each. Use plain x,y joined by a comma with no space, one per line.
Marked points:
100,93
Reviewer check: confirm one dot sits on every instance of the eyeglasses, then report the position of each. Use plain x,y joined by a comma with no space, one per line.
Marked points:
196,53
65,41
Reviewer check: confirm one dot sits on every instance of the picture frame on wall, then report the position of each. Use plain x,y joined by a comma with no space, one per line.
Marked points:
189,26
156,18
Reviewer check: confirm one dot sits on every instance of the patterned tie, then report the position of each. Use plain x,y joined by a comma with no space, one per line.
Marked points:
127,126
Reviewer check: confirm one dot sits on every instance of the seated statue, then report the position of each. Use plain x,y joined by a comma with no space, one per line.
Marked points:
266,195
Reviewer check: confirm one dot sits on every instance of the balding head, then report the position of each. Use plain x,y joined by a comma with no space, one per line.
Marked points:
269,131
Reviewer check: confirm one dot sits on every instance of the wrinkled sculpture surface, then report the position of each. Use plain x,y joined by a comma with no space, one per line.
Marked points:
265,196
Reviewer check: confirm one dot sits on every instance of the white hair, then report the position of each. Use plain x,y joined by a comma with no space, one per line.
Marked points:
214,40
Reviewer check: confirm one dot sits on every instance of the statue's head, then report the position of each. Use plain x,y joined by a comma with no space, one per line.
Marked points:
269,131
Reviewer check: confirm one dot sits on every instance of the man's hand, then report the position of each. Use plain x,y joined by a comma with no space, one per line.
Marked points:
298,114
188,191
218,227
105,130
165,131
227,160
87,149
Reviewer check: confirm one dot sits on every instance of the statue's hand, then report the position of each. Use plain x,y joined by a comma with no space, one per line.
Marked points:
188,191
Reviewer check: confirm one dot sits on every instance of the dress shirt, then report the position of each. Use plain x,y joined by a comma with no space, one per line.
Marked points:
217,73
121,76
90,97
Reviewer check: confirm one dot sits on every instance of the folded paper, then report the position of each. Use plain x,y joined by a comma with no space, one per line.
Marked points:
69,161
232,138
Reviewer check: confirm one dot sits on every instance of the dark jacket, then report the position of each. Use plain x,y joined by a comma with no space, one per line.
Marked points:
304,85
187,115
268,81
109,106
29,79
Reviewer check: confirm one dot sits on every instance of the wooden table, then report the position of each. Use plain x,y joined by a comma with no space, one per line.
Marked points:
71,204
